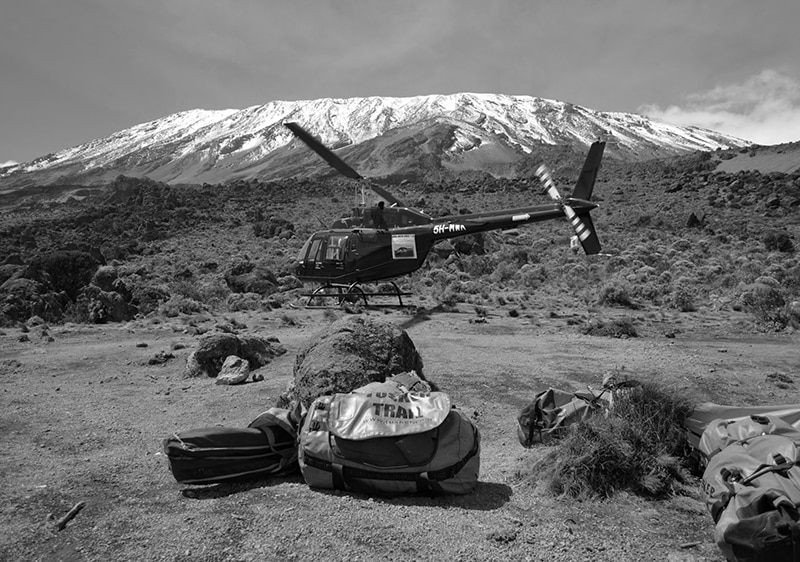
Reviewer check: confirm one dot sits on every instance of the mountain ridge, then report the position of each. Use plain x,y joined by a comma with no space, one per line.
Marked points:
386,136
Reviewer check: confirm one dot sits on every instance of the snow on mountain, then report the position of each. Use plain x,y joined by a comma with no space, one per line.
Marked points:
458,132
8,166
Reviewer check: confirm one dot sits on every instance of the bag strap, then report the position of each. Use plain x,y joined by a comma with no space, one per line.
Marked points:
534,418
344,476
781,465
729,477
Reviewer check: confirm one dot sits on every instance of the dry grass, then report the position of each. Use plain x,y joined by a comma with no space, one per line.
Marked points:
639,447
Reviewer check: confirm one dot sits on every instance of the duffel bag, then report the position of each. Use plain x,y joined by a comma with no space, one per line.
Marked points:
703,414
210,455
720,433
384,439
752,489
552,411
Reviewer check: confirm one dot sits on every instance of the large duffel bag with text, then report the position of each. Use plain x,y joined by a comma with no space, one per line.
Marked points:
385,439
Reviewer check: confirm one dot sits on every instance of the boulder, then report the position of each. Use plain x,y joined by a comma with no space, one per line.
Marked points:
8,271
104,277
213,349
249,277
104,306
235,370
350,353
21,298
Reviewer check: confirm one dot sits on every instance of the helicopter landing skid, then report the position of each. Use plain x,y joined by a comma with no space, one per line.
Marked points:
350,293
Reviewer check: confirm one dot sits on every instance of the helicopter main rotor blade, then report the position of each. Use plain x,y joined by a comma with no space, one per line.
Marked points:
324,152
327,154
391,199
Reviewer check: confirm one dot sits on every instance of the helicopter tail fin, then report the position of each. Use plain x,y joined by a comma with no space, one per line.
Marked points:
585,184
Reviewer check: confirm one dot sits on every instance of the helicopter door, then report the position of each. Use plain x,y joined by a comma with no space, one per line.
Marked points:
335,253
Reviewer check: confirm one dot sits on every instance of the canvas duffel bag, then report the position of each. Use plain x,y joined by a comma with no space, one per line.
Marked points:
720,433
703,414
210,455
552,411
384,439
752,488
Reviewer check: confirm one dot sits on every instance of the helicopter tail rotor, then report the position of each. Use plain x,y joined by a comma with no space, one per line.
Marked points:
580,223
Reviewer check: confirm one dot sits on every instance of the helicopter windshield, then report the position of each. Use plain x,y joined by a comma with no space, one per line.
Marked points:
301,255
310,250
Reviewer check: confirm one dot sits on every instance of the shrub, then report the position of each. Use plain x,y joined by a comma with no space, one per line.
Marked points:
617,328
765,300
778,241
178,304
67,271
639,447
682,297
533,276
244,301
615,294
147,298
210,291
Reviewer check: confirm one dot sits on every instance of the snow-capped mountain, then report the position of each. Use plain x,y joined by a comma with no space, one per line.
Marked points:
384,136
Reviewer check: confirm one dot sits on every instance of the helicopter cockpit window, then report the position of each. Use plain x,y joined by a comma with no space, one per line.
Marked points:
310,251
336,246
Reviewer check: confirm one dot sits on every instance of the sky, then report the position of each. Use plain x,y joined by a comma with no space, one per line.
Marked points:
73,71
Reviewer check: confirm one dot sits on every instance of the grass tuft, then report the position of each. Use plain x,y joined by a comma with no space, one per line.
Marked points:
639,447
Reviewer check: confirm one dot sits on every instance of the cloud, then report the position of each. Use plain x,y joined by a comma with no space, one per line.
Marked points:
764,109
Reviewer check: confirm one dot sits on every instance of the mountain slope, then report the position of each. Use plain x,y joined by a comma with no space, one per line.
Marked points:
385,136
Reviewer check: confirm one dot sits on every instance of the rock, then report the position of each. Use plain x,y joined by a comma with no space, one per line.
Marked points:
248,277
694,221
160,358
352,352
235,370
104,277
7,271
34,321
21,298
214,348
104,306
13,259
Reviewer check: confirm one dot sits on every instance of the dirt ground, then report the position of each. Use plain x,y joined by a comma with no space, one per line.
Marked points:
83,414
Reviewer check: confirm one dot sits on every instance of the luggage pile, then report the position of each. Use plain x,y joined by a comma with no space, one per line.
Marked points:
751,482
394,437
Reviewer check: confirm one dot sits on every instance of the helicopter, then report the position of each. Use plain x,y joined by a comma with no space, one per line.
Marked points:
355,252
